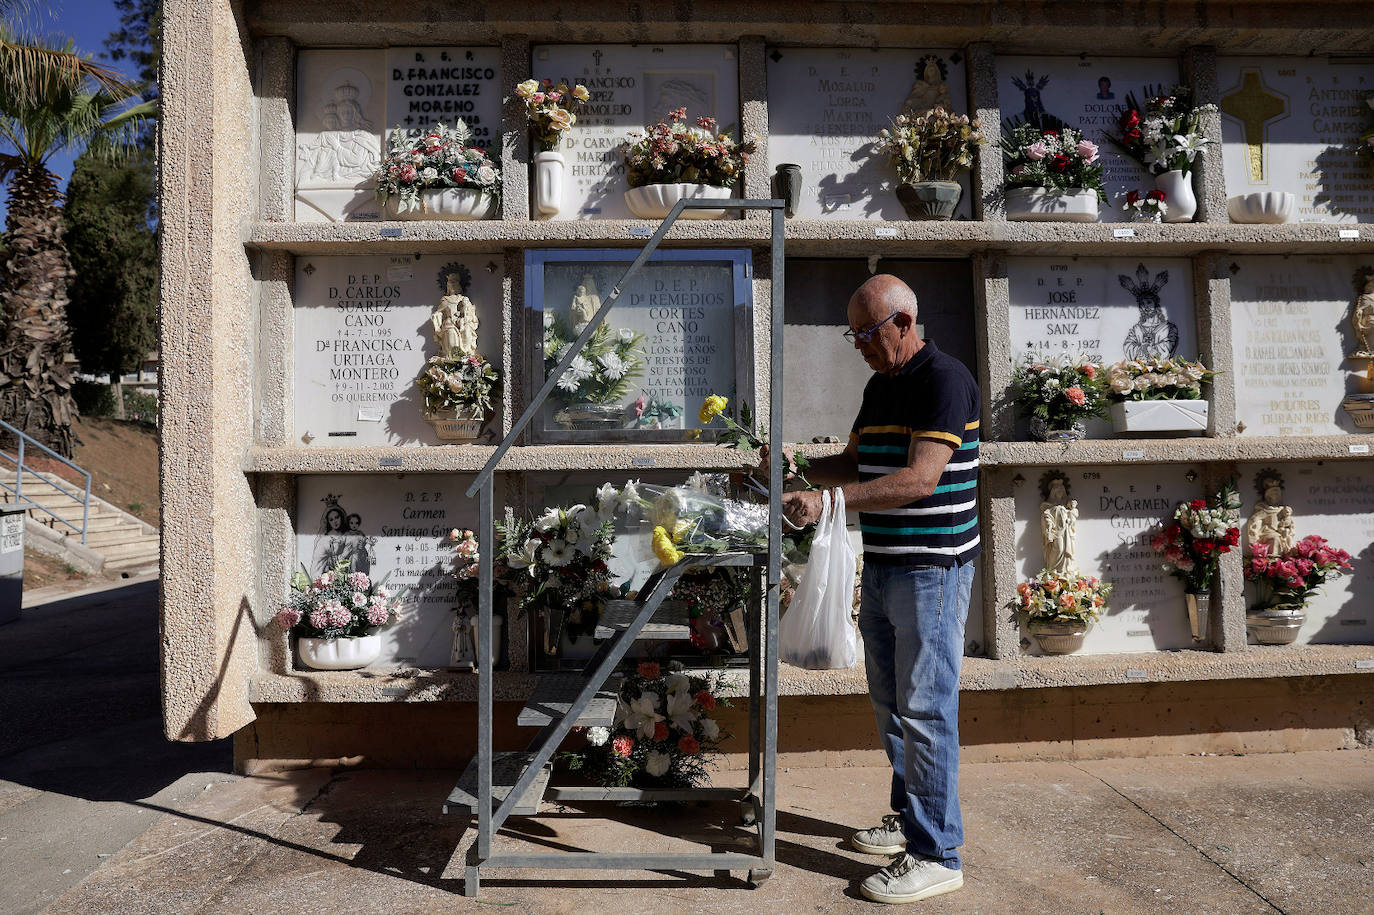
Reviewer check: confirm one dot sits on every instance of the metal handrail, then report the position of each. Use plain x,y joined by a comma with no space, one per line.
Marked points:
18,489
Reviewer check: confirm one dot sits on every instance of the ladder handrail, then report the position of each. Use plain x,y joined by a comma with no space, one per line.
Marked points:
20,469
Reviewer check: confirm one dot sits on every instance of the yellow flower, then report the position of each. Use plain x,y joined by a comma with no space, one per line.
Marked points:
663,548
712,407
528,88
580,93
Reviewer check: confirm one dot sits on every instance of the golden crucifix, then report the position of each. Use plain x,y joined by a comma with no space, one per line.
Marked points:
1255,107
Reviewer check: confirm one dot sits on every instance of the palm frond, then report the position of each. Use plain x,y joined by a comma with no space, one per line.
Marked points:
28,66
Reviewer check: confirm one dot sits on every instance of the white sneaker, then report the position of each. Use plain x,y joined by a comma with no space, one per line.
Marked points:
908,879
887,839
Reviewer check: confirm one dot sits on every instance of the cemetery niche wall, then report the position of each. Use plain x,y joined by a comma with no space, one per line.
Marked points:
348,102
331,319
681,331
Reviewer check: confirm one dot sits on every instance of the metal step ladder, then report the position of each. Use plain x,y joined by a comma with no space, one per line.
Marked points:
496,786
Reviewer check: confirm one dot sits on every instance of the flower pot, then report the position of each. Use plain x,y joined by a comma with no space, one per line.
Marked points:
591,416
465,651
339,654
1360,409
1159,416
549,170
1264,207
1276,625
1178,194
787,185
452,429
1199,606
1058,637
451,203
1041,432
1039,204
654,201
929,199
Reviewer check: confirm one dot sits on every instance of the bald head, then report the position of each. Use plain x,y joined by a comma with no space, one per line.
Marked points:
885,307
879,297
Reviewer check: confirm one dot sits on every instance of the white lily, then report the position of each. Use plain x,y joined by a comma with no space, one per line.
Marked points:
680,710
709,729
548,521
657,764
644,715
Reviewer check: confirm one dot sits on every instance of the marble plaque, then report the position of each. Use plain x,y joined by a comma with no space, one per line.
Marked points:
1290,329
1292,124
826,106
362,335
1117,507
693,312
632,87
394,527
1088,94
1333,500
823,373
347,102
1105,309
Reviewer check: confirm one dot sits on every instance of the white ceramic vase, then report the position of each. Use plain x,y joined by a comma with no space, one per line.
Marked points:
654,201
1039,204
339,654
1178,194
549,170
460,204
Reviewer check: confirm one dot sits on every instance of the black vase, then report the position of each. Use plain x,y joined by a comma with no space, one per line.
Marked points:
787,185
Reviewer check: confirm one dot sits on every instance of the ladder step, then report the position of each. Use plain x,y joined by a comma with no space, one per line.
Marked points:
670,622
554,695
506,769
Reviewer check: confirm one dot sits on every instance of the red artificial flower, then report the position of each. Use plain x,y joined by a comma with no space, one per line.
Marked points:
688,746
649,670
1133,135
1130,118
1156,194
1198,505
705,700
623,746
1132,197
1049,133
1060,163
660,731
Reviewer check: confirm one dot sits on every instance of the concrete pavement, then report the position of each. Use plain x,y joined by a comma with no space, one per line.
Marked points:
99,814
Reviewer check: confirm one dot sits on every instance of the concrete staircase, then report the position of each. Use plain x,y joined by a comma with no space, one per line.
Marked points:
116,542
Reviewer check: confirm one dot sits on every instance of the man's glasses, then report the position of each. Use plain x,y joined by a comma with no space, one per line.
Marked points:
863,336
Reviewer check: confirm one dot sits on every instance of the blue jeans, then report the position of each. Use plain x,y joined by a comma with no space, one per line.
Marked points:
912,622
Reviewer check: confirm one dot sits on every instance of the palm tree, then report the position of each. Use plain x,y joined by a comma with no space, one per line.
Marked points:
51,99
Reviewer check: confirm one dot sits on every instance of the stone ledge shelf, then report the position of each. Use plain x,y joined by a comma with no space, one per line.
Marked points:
979,675
1191,450
817,237
471,458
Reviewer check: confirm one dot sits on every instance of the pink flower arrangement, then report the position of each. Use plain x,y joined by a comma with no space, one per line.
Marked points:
1294,576
338,604
674,150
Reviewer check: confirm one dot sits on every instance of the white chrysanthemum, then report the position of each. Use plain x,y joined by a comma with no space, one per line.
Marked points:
557,554
613,366
657,764
597,736
581,367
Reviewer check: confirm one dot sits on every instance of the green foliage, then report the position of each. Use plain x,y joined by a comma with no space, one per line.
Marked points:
93,398
140,407
138,40
113,249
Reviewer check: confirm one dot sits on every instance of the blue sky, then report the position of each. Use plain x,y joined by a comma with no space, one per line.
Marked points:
89,23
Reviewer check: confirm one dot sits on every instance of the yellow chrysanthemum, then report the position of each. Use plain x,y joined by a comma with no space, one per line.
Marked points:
663,548
712,407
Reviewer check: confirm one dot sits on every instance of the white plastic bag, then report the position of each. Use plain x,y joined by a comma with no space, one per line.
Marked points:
817,633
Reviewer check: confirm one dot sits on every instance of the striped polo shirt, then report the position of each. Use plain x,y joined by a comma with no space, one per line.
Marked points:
934,397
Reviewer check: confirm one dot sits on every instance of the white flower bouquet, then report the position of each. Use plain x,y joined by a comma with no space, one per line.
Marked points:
551,109
1164,134
1157,378
663,737
604,371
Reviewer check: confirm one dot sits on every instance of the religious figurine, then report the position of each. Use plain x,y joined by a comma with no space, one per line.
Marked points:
1058,523
455,321
1362,321
1271,523
585,303
464,638
930,89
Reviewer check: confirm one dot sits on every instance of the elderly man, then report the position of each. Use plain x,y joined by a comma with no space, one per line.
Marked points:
911,471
